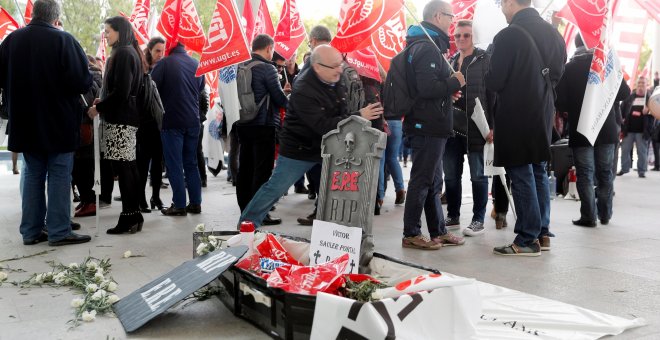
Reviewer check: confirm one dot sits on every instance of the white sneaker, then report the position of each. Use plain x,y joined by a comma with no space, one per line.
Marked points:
475,228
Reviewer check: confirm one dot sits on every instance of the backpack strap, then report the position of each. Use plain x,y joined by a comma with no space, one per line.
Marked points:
266,98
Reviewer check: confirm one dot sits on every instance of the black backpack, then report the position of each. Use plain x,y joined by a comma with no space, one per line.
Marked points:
399,89
149,100
354,88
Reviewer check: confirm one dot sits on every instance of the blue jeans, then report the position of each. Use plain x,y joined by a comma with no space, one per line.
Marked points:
531,195
642,146
390,156
287,171
453,166
56,168
180,151
424,187
595,161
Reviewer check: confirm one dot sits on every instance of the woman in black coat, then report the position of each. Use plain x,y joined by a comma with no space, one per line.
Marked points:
119,110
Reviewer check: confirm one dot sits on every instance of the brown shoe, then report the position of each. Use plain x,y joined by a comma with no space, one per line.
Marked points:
400,197
493,214
449,239
420,242
545,242
87,209
309,220
500,221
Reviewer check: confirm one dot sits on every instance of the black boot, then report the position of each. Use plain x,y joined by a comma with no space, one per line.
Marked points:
128,222
156,203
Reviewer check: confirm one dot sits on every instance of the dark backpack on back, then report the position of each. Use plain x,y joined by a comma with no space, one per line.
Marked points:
399,89
149,100
354,88
249,107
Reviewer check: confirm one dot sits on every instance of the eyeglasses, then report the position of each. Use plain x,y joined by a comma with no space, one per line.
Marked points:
279,66
448,14
332,67
465,36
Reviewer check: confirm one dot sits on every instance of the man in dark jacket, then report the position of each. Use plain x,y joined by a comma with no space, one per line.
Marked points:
590,161
428,126
43,97
257,137
473,63
317,104
524,81
637,128
180,91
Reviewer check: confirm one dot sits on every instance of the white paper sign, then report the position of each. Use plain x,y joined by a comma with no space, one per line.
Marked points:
489,158
479,118
331,240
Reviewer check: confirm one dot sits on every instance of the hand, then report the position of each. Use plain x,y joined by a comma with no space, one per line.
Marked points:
456,96
460,77
372,111
287,88
489,137
91,112
96,101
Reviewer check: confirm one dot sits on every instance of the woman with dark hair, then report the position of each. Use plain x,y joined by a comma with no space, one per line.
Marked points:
154,52
119,110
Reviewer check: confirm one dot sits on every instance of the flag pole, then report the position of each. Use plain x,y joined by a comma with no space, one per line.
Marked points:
20,12
546,7
428,35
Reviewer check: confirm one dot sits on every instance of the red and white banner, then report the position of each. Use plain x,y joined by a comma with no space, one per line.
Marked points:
100,51
359,19
603,83
652,7
248,15
28,12
589,16
226,44
263,24
630,22
211,79
389,40
290,31
7,24
140,20
179,22
365,63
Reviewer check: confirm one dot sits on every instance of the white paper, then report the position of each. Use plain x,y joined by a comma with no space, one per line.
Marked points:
479,118
332,240
489,158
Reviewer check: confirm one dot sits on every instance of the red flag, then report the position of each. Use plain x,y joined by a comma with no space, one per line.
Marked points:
249,20
100,52
7,24
589,16
570,31
361,18
211,79
389,40
140,20
226,44
651,6
28,12
365,63
290,31
263,24
179,22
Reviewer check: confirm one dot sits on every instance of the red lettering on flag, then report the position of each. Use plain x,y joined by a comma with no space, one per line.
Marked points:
179,22
359,19
389,40
290,31
7,24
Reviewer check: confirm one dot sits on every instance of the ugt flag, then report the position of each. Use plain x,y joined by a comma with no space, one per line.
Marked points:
589,16
139,19
389,40
226,44
179,22
605,77
360,20
7,24
263,24
28,12
290,30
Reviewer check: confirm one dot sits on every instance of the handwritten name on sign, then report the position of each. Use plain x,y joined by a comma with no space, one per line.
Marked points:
331,240
157,296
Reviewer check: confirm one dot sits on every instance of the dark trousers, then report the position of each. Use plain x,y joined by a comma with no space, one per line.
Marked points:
201,163
234,151
107,180
256,158
129,188
83,176
500,199
149,151
656,154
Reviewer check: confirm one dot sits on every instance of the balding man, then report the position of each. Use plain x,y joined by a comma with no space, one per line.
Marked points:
316,105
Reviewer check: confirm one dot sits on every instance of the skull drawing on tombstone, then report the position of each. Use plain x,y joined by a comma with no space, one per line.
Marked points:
349,140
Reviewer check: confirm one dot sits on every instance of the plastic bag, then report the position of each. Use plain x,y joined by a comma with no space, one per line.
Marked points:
271,248
310,279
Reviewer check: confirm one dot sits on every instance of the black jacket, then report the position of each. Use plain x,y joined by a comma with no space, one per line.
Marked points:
626,108
43,71
524,114
432,113
475,87
121,82
314,109
265,81
570,94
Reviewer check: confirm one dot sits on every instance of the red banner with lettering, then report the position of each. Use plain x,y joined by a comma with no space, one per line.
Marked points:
389,40
227,43
249,20
364,62
290,31
7,24
359,19
263,24
589,16
139,19
179,22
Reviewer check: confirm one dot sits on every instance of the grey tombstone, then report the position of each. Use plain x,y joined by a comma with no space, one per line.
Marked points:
349,178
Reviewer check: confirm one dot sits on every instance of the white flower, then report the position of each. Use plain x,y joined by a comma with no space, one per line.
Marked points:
77,302
73,265
112,286
98,277
99,270
3,276
113,298
202,249
200,227
91,288
39,278
89,316
91,265
214,241
59,280
100,294
127,254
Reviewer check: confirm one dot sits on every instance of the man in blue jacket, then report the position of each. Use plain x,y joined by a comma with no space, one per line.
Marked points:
180,91
43,94
257,137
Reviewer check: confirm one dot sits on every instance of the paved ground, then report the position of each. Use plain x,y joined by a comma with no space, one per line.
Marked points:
613,269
